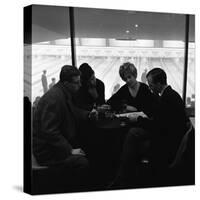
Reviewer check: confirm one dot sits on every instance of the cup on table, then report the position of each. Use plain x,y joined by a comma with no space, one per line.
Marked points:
123,121
104,111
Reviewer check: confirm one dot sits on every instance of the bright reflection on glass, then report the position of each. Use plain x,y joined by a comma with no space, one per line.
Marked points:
50,48
158,41
190,92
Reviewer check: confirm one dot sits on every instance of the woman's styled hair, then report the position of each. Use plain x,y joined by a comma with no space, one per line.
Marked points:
127,68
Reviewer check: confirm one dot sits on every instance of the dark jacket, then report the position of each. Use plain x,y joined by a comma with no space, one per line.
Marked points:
144,101
170,123
55,126
86,101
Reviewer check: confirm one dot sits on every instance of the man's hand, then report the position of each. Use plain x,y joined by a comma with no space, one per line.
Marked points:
78,152
130,108
93,115
134,116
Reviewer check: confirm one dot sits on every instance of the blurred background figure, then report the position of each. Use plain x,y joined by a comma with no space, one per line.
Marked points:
53,82
44,82
193,100
116,88
35,103
92,90
143,76
188,102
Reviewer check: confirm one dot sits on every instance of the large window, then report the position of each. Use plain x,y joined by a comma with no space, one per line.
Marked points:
49,50
190,91
105,39
146,39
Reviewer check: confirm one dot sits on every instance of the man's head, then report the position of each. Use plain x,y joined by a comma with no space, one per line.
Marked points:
87,74
157,79
70,77
53,80
44,71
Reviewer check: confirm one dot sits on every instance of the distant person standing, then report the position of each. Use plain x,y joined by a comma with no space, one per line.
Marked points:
44,82
52,83
143,76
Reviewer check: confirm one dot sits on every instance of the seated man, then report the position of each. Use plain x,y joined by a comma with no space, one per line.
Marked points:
164,132
55,125
92,90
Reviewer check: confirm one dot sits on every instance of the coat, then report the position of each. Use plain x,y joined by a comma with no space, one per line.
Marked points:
85,100
55,125
168,126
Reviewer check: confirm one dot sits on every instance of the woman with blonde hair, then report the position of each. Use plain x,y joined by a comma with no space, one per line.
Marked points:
134,95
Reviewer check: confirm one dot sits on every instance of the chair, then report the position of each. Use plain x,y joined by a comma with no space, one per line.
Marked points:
47,179
35,164
182,148
54,179
180,171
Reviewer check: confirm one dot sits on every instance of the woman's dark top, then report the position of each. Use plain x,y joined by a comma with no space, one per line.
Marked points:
144,101
86,101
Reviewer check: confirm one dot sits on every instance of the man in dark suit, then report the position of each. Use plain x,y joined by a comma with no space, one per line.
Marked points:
164,131
170,123
55,125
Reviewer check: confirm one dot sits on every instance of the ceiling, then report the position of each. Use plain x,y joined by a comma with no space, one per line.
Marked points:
52,22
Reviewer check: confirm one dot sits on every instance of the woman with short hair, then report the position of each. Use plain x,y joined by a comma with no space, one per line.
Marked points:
134,95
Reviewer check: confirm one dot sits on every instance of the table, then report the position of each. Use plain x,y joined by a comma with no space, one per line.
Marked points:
105,143
114,123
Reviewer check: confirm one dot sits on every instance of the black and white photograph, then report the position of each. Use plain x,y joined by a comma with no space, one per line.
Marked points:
100,99
110,98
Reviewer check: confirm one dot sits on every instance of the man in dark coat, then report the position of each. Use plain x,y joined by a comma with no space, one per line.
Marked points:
55,124
92,90
164,132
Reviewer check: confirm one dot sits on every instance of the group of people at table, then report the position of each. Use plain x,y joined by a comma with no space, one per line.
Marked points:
75,99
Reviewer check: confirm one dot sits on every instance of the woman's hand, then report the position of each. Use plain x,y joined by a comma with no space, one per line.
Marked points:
93,115
78,152
133,117
130,108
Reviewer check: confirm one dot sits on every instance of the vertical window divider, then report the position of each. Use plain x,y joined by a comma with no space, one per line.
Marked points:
72,35
186,57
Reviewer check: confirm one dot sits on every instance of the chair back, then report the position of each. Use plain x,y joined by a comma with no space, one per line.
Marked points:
182,147
36,165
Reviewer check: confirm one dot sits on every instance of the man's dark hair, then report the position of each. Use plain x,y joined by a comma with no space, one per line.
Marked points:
86,71
68,72
158,76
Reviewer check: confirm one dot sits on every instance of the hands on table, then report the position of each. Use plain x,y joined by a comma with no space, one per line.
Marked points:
78,151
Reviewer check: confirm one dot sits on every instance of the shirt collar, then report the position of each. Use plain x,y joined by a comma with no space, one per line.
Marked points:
161,93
